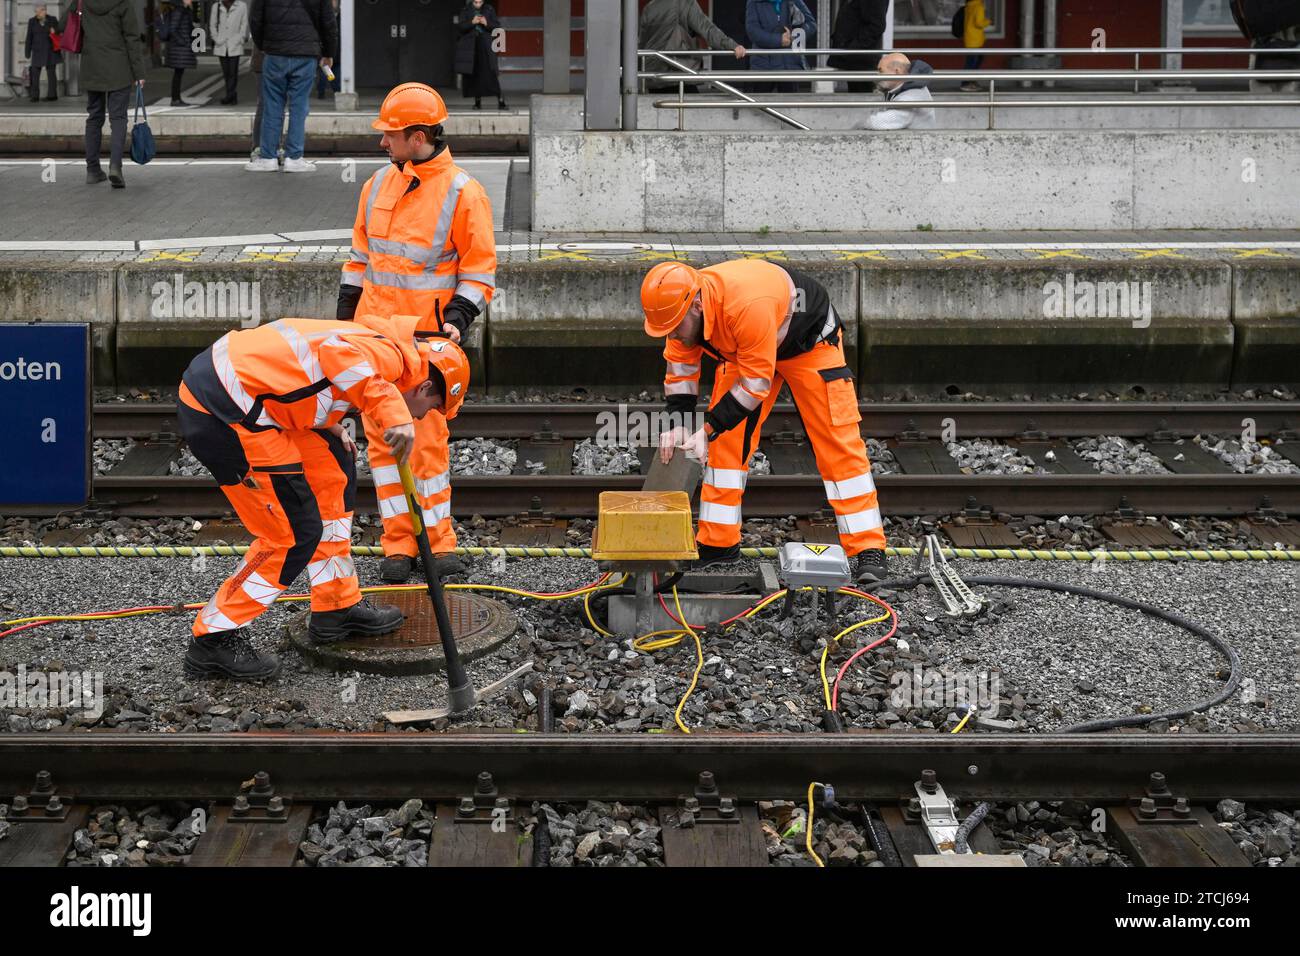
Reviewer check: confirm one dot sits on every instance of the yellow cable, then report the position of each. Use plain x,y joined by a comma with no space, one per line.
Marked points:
957,729
808,837
826,686
699,664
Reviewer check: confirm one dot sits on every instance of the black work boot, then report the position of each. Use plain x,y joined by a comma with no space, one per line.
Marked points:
115,177
871,566
362,619
449,565
228,654
396,569
709,554
95,174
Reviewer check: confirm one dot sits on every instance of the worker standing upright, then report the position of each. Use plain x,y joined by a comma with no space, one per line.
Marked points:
423,253
764,324
262,410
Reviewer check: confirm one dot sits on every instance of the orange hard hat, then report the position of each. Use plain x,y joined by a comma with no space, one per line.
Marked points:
410,104
667,292
452,363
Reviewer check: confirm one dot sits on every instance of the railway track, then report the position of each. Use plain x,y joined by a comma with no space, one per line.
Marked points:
263,790
929,481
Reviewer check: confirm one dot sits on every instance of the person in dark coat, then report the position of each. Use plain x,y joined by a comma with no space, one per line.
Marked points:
112,66
176,29
39,48
476,61
859,26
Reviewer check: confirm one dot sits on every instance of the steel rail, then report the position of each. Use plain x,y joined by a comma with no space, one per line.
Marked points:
574,496
875,766
879,419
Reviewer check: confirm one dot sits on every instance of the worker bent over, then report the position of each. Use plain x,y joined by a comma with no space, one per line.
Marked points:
262,410
765,325
423,253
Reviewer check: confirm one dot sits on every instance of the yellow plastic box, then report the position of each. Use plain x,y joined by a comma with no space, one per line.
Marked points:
644,526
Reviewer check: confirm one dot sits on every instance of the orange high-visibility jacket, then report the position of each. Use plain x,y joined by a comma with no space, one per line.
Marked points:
304,373
747,310
423,234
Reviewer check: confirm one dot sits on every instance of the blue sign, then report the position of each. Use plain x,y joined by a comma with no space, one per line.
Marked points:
45,391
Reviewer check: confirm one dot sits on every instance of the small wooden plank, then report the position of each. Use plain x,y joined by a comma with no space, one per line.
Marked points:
790,458
230,843
1064,461
1285,533
924,458
229,531
477,844
713,844
1142,535
1188,458
975,535
819,530
42,844
557,456
1202,844
536,533
146,459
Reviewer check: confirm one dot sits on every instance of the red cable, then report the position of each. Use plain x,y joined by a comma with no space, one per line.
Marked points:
835,692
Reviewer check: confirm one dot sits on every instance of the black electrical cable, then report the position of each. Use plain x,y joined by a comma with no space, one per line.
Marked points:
1106,723
960,842
880,839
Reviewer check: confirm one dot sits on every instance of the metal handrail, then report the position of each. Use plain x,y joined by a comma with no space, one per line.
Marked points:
744,97
996,51
698,104
808,76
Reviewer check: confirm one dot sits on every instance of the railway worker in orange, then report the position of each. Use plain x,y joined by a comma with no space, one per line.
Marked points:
423,253
765,324
262,410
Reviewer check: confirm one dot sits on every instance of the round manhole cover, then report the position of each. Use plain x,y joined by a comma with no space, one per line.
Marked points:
479,624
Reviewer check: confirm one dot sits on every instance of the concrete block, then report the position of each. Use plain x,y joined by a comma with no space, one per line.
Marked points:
588,182
1004,327
667,168
953,180
1266,317
568,323
65,292
167,313
1243,179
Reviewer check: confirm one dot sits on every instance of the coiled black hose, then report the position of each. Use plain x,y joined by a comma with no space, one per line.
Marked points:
1107,723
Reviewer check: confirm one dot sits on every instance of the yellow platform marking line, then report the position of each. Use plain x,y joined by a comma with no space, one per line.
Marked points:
1254,253
960,254
986,554
1157,254
162,255
287,255
848,255
1059,254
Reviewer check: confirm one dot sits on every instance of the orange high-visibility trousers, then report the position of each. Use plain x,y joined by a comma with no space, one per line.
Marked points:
431,468
293,490
827,400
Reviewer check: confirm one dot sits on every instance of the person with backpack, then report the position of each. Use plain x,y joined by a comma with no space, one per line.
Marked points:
777,24
969,24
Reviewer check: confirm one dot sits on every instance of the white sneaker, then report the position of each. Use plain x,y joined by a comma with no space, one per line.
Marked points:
299,165
262,165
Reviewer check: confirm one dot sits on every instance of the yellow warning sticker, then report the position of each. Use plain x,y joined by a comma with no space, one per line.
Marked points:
816,548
